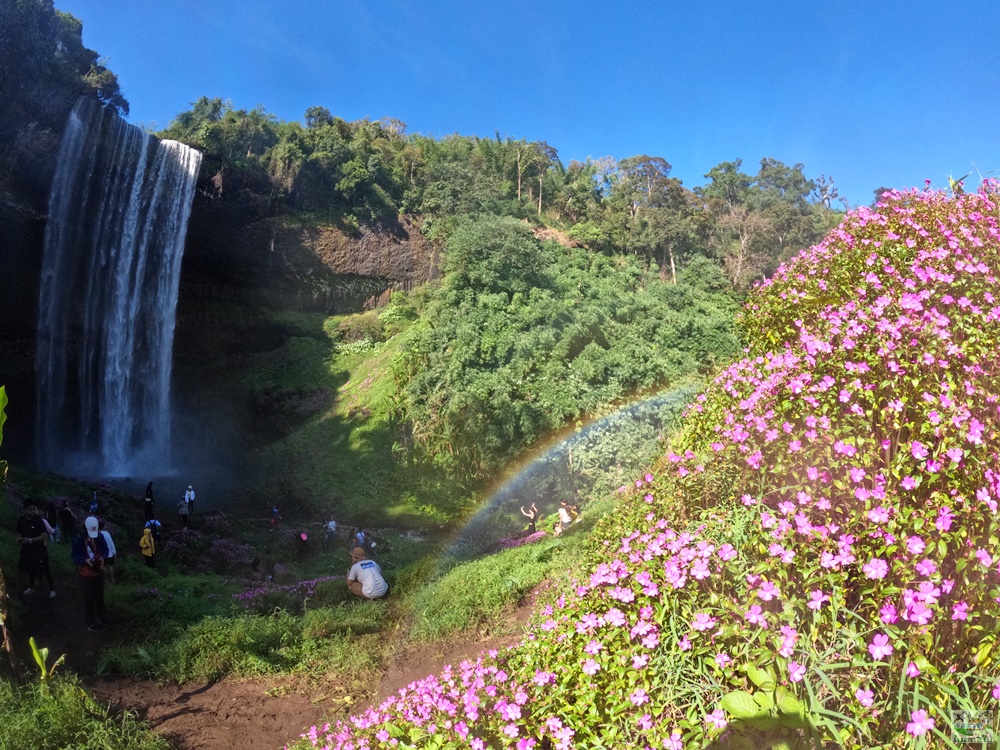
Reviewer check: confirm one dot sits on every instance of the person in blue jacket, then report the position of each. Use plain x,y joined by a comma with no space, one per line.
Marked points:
89,551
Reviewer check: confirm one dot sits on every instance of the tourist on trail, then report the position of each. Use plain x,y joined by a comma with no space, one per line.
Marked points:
329,531
109,561
183,510
33,534
148,546
532,515
52,518
364,578
93,504
154,527
149,505
368,542
189,499
67,521
275,515
89,551
565,519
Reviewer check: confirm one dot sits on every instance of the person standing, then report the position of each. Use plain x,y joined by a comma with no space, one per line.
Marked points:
329,532
364,578
183,510
109,561
148,546
33,533
189,499
149,505
532,515
89,551
67,521
52,518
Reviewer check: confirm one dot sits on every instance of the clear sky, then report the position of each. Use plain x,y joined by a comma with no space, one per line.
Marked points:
873,94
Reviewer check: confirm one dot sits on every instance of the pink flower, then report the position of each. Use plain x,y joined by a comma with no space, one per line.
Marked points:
921,723
865,697
674,742
918,450
684,644
768,591
703,621
639,697
984,557
756,616
915,545
717,718
926,567
875,568
796,671
722,660
912,670
960,611
888,614
879,648
816,599
591,667
909,483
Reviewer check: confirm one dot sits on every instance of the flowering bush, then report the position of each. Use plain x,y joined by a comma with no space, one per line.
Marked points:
816,560
265,599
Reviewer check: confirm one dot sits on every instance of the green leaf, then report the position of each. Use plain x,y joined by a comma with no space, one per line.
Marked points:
764,679
787,703
741,705
764,700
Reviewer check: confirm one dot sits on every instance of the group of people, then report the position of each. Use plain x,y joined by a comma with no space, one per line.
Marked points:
92,549
567,513
185,508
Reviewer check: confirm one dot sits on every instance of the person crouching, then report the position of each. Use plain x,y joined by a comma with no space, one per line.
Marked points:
365,579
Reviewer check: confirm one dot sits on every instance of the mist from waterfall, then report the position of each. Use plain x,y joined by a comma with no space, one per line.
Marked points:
118,213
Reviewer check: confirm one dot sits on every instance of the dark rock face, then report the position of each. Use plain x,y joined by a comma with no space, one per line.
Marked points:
235,253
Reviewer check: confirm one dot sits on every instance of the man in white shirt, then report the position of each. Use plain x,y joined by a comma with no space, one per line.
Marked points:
365,579
189,499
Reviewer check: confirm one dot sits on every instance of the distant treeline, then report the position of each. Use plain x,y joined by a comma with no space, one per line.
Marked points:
369,172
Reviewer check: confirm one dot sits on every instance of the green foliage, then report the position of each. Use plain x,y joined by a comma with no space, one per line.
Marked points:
41,656
245,645
59,714
523,338
475,595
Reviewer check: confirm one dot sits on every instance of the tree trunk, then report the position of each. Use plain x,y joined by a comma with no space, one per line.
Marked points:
540,177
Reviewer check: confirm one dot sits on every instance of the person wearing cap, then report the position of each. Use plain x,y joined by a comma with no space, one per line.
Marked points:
365,579
89,552
189,499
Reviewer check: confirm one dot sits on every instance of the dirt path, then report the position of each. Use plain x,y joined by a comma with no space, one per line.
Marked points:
245,715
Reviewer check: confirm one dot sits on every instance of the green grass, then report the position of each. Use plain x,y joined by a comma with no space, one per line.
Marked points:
60,715
476,595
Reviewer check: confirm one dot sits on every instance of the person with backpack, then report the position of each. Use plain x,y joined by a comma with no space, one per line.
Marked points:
149,504
189,499
89,551
109,561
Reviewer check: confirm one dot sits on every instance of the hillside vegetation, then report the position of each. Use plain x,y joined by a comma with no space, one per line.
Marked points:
815,560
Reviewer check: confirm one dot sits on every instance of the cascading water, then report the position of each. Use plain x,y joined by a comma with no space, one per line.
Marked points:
118,214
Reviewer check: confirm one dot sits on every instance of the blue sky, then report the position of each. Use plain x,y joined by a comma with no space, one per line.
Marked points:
872,94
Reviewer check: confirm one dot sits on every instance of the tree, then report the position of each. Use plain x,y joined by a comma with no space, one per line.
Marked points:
728,183
776,182
318,117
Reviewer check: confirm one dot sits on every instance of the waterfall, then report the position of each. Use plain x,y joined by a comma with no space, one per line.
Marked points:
114,239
